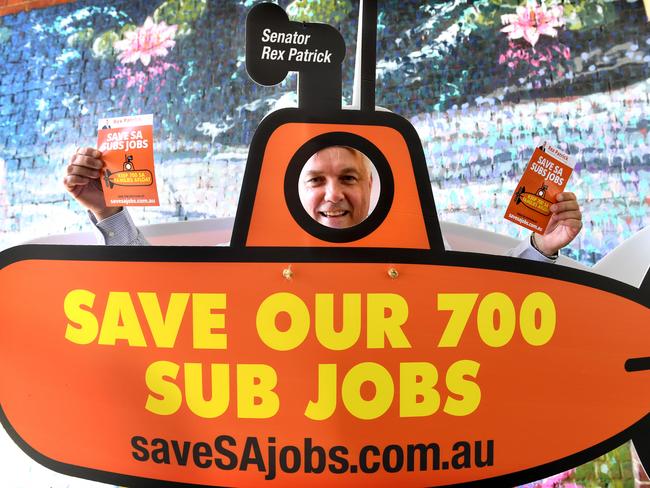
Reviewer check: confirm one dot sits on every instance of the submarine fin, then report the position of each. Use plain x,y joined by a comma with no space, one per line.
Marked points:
641,443
628,262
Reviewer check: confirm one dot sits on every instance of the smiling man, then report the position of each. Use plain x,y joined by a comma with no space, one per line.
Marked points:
334,188
335,185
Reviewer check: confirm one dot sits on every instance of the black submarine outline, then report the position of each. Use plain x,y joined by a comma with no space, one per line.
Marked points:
521,195
127,167
312,109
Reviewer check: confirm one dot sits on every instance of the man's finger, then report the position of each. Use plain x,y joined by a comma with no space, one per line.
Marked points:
566,195
87,161
573,214
88,151
565,206
88,172
71,181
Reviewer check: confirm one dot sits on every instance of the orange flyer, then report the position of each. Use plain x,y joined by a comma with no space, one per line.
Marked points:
126,144
545,176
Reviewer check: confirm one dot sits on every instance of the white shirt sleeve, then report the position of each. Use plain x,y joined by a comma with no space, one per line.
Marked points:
525,250
118,230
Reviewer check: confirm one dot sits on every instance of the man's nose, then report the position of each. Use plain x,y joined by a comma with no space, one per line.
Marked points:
334,192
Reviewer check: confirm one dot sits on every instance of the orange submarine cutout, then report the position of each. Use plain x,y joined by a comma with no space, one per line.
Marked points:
482,370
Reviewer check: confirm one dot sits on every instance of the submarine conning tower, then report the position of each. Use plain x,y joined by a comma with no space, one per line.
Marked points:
275,45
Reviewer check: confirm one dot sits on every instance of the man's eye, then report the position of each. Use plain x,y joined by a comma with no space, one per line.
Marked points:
314,181
349,179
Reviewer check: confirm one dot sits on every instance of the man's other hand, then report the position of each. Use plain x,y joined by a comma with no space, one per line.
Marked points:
564,226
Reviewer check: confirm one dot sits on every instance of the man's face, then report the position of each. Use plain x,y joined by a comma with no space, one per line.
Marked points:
334,187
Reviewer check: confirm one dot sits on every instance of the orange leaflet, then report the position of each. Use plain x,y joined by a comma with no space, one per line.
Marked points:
545,176
126,144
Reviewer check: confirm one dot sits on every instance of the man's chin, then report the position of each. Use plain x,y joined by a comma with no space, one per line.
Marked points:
334,224
341,222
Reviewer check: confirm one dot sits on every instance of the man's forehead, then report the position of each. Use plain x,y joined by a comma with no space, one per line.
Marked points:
343,159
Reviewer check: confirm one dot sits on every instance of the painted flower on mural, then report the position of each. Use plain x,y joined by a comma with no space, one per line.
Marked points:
537,58
563,480
529,55
141,53
143,50
532,21
144,43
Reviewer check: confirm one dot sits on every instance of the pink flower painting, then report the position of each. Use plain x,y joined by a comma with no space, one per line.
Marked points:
527,56
149,44
533,20
558,481
146,42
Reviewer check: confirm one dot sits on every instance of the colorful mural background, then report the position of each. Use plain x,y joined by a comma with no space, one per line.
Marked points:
483,82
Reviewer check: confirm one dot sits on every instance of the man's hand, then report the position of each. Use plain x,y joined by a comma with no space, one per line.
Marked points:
82,182
564,226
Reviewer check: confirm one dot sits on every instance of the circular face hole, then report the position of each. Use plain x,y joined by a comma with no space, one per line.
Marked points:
339,187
